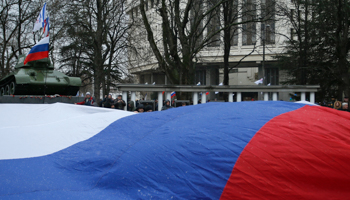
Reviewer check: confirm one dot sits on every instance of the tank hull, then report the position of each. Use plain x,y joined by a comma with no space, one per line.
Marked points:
38,79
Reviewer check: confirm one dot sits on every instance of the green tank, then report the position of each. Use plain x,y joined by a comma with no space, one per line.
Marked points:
38,78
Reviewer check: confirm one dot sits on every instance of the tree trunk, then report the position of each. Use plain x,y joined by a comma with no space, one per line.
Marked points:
227,44
98,62
19,27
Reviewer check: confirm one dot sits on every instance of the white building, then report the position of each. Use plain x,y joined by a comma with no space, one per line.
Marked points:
209,71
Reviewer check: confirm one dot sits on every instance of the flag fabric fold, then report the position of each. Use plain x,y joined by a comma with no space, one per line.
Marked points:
173,94
219,85
46,27
260,81
40,22
39,51
276,149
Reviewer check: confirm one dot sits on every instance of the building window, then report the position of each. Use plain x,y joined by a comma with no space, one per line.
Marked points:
234,37
214,25
195,15
136,11
234,29
201,77
272,76
249,29
268,27
291,34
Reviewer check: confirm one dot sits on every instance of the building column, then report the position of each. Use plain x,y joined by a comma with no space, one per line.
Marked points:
204,97
230,97
303,98
266,96
160,101
312,97
133,97
274,96
239,97
195,98
125,98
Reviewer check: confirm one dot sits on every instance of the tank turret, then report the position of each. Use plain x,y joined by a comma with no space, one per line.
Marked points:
38,78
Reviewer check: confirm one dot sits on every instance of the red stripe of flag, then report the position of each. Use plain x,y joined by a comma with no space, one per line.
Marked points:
36,56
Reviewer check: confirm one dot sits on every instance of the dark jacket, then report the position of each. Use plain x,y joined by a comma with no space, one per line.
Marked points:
107,102
119,104
166,107
131,107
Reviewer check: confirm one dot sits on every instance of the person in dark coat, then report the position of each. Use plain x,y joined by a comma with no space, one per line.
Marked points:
140,108
108,101
119,103
131,106
88,101
167,105
148,108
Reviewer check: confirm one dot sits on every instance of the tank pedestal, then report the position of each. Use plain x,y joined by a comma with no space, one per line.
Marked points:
39,99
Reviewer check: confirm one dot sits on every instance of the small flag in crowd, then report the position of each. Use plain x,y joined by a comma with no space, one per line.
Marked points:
207,93
173,94
219,85
260,81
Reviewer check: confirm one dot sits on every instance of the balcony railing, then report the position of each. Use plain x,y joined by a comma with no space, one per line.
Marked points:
230,89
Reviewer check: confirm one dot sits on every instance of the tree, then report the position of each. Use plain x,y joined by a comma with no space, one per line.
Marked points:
15,20
97,33
182,29
317,48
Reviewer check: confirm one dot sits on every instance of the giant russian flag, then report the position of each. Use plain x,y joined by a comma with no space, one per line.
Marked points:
245,150
39,51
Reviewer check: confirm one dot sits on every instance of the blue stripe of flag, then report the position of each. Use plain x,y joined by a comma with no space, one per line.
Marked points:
39,48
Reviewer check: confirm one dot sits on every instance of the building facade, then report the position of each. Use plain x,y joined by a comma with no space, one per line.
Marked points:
254,46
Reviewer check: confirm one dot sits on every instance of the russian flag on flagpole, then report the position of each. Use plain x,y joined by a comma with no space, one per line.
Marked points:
40,22
173,94
39,51
46,27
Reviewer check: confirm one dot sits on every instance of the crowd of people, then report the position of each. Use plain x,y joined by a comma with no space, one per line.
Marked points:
119,103
338,105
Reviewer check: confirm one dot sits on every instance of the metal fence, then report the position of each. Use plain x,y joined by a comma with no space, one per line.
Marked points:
230,89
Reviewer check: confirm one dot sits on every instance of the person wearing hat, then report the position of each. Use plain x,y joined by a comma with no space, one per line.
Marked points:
139,108
148,108
345,107
119,103
88,101
167,105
